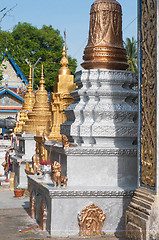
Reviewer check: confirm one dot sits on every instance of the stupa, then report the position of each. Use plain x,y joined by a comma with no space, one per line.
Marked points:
23,143
29,101
101,161
61,98
40,117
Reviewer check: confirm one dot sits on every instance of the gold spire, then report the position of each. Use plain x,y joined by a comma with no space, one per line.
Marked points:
105,44
42,81
64,70
40,117
61,98
29,98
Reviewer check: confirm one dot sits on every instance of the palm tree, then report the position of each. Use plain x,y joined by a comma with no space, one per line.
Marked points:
131,49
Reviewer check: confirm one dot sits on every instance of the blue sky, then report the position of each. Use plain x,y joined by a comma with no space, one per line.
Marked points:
72,15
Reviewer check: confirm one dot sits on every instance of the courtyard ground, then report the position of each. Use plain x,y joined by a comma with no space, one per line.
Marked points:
15,222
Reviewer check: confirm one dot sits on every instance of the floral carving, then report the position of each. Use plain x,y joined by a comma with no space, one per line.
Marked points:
91,220
148,91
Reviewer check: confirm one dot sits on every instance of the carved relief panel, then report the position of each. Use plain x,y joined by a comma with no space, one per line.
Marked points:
91,220
148,92
32,205
42,215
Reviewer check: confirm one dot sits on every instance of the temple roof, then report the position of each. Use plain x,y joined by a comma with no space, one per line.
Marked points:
6,90
16,69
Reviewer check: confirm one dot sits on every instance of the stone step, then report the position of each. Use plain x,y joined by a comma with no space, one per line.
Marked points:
144,195
138,213
139,208
142,202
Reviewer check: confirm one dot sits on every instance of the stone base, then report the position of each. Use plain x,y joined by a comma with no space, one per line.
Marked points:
19,169
24,153
60,207
142,216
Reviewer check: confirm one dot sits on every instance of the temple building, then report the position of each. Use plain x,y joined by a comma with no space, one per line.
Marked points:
12,88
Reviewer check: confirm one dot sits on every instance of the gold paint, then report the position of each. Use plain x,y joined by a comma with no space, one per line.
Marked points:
61,97
40,117
105,44
29,100
91,220
148,88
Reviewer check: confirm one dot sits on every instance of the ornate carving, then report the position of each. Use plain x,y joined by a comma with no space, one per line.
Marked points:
91,220
148,88
105,45
42,216
32,205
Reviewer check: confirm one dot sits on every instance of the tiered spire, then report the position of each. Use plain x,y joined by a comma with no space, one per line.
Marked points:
40,117
29,98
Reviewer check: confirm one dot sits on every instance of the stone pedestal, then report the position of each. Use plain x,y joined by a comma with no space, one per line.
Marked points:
62,207
24,153
101,166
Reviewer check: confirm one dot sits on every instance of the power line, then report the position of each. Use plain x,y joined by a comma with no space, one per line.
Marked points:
80,47
129,24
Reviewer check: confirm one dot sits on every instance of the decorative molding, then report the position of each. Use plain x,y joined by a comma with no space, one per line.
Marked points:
101,151
90,194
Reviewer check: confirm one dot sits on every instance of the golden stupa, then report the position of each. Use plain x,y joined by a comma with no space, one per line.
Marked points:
61,98
29,100
105,44
40,117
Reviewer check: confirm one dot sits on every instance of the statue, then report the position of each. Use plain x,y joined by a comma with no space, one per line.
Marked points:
66,143
36,164
56,175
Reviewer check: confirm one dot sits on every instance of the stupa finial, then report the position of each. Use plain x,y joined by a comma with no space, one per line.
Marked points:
30,80
29,97
42,81
105,44
64,70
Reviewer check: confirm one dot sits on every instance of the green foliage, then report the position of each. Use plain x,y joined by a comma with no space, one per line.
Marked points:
131,49
29,42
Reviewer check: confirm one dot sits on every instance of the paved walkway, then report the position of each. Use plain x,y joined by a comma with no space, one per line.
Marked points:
15,222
